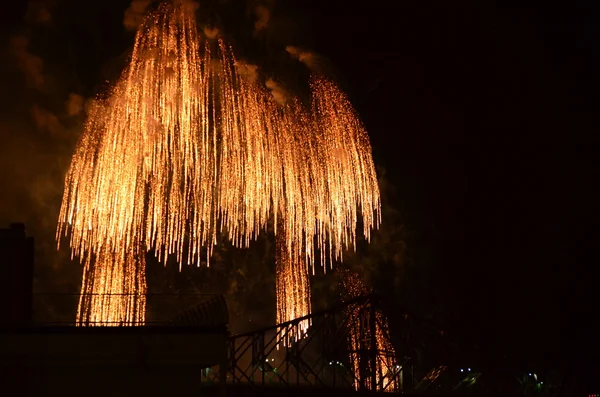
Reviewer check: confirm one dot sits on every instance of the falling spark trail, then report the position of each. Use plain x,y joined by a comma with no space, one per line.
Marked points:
293,290
359,337
330,178
186,146
113,291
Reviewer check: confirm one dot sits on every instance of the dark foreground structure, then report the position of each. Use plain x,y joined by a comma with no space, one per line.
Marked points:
16,276
108,361
360,347
42,358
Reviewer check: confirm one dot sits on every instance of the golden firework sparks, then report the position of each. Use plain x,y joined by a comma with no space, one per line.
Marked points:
360,329
186,146
293,291
113,290
330,180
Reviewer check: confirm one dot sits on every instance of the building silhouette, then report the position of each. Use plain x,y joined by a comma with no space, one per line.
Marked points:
46,359
16,276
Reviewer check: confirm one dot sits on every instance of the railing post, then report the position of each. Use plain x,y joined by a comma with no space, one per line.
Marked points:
232,359
223,368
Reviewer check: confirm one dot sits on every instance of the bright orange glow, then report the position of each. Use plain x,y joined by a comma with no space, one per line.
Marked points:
113,291
187,145
293,291
359,337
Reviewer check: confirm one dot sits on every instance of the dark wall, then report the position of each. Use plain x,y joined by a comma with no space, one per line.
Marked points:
100,361
16,276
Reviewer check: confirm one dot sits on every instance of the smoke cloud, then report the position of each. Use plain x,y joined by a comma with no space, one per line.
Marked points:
277,91
47,121
37,12
211,32
39,137
310,59
248,71
263,15
74,104
190,5
135,14
31,65
89,105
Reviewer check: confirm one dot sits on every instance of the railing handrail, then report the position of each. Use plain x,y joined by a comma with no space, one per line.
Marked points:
320,313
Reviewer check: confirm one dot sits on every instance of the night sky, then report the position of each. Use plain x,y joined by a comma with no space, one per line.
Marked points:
482,116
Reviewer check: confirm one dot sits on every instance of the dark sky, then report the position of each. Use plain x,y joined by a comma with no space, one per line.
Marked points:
482,115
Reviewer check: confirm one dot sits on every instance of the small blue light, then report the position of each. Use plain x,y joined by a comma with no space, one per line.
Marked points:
469,369
462,370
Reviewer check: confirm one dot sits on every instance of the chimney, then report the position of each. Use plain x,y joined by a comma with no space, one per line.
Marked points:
16,277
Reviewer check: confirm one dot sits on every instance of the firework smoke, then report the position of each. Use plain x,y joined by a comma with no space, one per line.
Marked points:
74,104
32,65
134,14
38,12
211,32
310,59
248,71
263,15
279,94
49,122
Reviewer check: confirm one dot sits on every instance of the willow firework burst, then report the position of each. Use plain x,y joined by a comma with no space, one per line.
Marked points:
186,146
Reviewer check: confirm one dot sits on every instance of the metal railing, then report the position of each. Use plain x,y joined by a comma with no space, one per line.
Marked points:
323,358
362,345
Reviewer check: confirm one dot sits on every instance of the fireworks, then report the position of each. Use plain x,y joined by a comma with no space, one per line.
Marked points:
293,291
359,336
331,180
113,290
187,145
179,150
